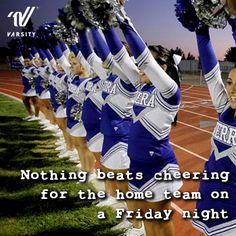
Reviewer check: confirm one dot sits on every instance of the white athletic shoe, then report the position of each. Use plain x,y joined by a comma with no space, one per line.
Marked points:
74,156
63,153
66,153
27,118
107,202
50,127
58,133
60,142
60,148
78,165
135,232
123,225
44,122
34,118
92,176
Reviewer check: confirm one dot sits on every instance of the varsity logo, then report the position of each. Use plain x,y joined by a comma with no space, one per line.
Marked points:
21,19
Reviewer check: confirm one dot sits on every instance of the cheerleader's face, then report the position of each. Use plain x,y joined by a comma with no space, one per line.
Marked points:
27,62
76,66
38,62
59,68
231,88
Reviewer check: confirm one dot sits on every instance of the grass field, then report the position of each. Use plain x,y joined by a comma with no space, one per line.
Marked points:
24,146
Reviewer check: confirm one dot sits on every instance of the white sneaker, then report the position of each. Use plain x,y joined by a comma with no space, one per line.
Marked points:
60,148
44,122
123,225
108,202
74,157
66,153
135,232
92,176
63,153
78,165
60,142
27,118
50,127
57,133
34,118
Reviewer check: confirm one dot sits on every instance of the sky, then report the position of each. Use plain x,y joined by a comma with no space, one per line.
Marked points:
155,21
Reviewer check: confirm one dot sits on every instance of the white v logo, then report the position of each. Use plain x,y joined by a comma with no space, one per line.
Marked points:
21,20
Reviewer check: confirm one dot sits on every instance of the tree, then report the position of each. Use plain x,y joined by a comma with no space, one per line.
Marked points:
190,56
231,55
178,51
4,53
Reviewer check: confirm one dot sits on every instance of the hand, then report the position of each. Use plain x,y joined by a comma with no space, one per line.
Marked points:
121,2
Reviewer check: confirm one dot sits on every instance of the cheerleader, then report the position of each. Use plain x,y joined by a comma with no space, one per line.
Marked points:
91,112
118,94
42,90
155,107
222,156
76,95
29,93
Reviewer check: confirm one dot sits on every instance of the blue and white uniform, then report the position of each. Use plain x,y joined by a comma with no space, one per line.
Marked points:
42,83
28,81
154,109
223,151
91,113
58,92
74,105
118,94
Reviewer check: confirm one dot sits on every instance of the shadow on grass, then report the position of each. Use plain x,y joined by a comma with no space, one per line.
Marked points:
33,205
24,146
95,231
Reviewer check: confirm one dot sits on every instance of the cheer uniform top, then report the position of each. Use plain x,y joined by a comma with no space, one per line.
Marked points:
74,105
223,151
42,83
58,92
154,110
28,81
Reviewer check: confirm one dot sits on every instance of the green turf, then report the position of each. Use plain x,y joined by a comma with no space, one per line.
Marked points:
23,146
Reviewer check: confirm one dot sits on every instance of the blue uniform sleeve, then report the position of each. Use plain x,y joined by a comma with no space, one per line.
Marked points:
105,54
211,71
61,58
159,78
94,61
122,57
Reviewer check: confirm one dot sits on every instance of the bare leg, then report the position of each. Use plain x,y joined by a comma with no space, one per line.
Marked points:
156,228
63,126
36,104
48,111
26,101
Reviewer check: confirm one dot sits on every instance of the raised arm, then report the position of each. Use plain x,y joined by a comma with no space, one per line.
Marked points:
122,57
94,61
159,78
105,54
211,69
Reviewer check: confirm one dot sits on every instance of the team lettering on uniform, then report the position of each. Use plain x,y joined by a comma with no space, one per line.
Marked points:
145,99
225,134
72,88
91,87
109,87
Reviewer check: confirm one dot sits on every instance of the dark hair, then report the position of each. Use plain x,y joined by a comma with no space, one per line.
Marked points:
162,55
